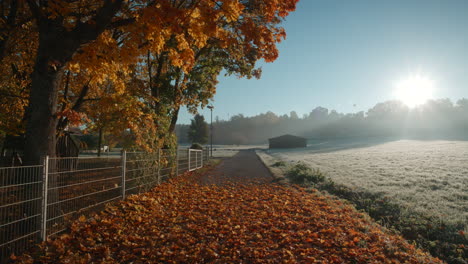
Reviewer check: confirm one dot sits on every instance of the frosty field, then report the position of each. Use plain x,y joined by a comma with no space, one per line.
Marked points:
427,176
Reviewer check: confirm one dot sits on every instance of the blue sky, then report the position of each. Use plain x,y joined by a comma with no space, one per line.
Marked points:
348,55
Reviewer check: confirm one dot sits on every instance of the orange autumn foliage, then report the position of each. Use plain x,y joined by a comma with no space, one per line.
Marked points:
183,222
113,56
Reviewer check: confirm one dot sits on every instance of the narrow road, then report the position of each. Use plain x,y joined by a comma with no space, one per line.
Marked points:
245,166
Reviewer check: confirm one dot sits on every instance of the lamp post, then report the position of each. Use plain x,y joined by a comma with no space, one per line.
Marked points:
211,129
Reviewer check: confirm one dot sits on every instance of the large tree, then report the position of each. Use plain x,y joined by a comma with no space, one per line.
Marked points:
198,130
84,53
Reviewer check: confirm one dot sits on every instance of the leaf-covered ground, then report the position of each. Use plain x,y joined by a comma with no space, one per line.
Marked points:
182,221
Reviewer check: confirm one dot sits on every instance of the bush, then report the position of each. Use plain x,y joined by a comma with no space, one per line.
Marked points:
196,146
279,164
300,173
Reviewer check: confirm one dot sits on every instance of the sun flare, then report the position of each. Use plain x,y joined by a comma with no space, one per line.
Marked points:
415,90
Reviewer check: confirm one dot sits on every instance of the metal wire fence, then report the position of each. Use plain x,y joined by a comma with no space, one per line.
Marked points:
77,184
37,202
20,208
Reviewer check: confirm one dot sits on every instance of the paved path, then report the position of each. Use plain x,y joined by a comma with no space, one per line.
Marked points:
245,166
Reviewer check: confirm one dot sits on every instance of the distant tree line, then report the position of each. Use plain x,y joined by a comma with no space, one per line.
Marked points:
436,119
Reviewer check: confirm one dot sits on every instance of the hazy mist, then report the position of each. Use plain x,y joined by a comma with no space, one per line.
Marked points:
436,119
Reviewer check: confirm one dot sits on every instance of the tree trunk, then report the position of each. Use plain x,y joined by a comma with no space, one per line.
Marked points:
57,45
41,137
56,48
174,118
42,118
99,143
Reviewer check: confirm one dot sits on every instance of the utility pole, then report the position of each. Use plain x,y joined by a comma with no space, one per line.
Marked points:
211,130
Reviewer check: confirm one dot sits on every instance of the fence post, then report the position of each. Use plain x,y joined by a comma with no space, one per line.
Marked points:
159,166
188,159
177,161
124,168
201,156
45,187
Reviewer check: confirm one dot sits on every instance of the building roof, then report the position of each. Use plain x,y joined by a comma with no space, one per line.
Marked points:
287,136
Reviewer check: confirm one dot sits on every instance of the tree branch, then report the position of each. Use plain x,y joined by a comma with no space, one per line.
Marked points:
150,73
35,10
13,95
79,102
86,32
121,23
10,22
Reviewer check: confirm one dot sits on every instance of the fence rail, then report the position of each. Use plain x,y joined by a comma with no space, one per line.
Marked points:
37,202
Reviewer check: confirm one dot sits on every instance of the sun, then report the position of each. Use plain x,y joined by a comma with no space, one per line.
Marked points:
415,90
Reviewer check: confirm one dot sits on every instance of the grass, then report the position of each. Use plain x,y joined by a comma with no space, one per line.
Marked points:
430,177
444,240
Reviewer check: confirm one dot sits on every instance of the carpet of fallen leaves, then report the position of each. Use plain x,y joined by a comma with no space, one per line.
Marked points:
181,221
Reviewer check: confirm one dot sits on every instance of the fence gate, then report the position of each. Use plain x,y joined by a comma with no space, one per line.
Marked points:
195,159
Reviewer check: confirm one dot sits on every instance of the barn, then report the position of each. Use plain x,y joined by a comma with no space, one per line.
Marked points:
287,141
